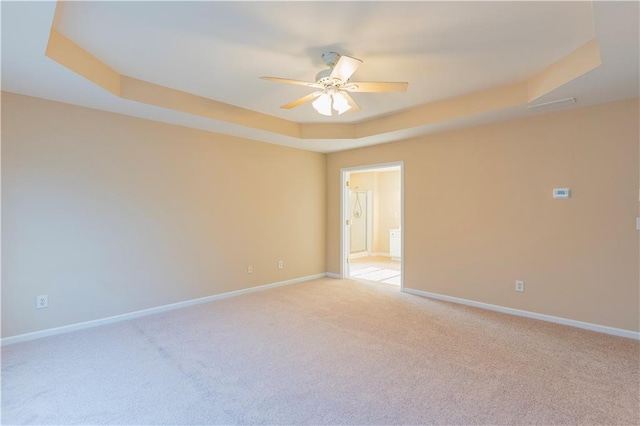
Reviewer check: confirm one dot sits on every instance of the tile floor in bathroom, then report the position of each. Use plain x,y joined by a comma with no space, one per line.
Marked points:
376,268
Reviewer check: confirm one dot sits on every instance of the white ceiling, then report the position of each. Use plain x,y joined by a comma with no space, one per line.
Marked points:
220,49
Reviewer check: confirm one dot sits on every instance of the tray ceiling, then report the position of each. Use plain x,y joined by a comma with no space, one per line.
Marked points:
218,50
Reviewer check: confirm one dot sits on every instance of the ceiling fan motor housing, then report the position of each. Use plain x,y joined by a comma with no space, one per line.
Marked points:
324,78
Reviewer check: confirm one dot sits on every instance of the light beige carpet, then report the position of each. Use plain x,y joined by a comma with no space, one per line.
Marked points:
324,352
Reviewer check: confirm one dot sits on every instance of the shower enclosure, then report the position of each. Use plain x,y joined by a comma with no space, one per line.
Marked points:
360,223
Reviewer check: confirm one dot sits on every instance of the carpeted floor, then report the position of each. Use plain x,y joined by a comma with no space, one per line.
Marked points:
324,352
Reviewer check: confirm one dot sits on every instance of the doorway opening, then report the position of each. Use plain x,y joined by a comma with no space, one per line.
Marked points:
372,230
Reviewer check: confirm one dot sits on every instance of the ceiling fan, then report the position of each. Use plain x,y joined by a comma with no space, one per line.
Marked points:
334,86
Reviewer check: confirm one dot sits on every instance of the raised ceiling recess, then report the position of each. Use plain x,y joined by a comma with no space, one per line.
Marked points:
199,64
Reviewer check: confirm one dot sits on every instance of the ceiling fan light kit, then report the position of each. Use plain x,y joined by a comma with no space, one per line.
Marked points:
334,86
323,104
330,101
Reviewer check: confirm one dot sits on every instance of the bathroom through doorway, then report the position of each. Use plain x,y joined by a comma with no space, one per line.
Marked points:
372,226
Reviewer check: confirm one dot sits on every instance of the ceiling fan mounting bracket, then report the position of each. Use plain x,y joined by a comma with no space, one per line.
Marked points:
330,58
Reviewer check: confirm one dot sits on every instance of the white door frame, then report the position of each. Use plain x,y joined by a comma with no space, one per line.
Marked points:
345,194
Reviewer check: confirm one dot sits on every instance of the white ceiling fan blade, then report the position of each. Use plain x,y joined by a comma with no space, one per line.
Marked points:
376,86
345,67
289,81
301,101
353,104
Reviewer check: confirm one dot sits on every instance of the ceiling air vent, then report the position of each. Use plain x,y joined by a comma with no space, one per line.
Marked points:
552,104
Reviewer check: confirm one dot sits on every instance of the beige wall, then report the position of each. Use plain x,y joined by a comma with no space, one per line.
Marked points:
479,213
385,187
108,214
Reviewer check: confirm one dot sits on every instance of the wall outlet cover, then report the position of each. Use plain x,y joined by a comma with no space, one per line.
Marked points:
42,301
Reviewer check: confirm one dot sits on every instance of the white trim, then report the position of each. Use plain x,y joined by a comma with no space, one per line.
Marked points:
527,314
344,236
380,167
345,175
402,227
369,221
332,275
151,311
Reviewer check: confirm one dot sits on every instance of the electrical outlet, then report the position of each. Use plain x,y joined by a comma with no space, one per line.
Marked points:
520,286
42,301
280,264
249,269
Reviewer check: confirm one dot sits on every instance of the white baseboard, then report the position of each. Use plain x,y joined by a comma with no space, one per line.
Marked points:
357,255
565,321
381,254
151,311
332,275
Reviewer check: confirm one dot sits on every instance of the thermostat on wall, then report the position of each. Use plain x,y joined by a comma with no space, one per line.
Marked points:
561,193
